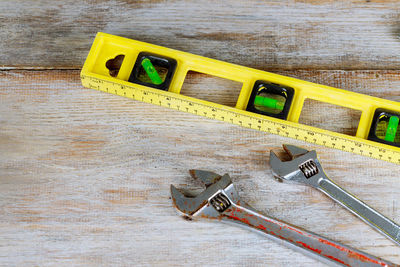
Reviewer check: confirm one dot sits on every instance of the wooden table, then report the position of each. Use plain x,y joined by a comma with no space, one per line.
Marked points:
85,175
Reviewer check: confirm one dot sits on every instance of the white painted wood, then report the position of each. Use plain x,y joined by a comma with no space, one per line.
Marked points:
85,175
270,34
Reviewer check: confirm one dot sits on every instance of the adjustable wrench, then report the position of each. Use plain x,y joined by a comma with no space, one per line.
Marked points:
304,167
220,201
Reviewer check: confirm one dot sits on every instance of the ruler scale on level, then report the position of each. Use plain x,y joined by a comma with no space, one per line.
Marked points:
155,75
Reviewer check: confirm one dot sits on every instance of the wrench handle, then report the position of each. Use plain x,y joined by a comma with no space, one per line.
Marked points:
311,244
360,209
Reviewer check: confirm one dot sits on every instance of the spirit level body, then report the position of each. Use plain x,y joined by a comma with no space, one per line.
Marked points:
95,75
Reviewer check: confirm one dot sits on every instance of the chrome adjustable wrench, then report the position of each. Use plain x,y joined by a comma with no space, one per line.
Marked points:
304,167
220,201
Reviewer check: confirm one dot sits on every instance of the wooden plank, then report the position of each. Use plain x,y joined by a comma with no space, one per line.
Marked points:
85,178
267,35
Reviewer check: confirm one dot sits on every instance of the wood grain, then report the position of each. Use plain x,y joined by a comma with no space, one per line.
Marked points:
85,178
85,175
269,35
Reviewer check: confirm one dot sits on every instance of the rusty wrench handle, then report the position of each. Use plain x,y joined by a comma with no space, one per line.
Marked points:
321,248
360,209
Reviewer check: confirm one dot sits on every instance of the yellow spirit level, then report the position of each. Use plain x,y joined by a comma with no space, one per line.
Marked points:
267,102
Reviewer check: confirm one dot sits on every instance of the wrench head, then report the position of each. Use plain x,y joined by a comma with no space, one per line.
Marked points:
303,164
203,204
207,177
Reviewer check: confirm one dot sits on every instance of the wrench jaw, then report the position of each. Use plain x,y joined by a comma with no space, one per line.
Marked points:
301,168
219,195
294,151
207,177
185,205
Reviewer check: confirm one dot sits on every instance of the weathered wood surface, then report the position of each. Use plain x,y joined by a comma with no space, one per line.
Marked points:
85,175
263,34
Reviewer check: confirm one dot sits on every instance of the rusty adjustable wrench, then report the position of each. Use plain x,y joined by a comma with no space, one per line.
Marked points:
220,201
304,167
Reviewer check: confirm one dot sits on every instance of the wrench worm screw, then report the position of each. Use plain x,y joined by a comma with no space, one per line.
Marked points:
309,168
220,202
